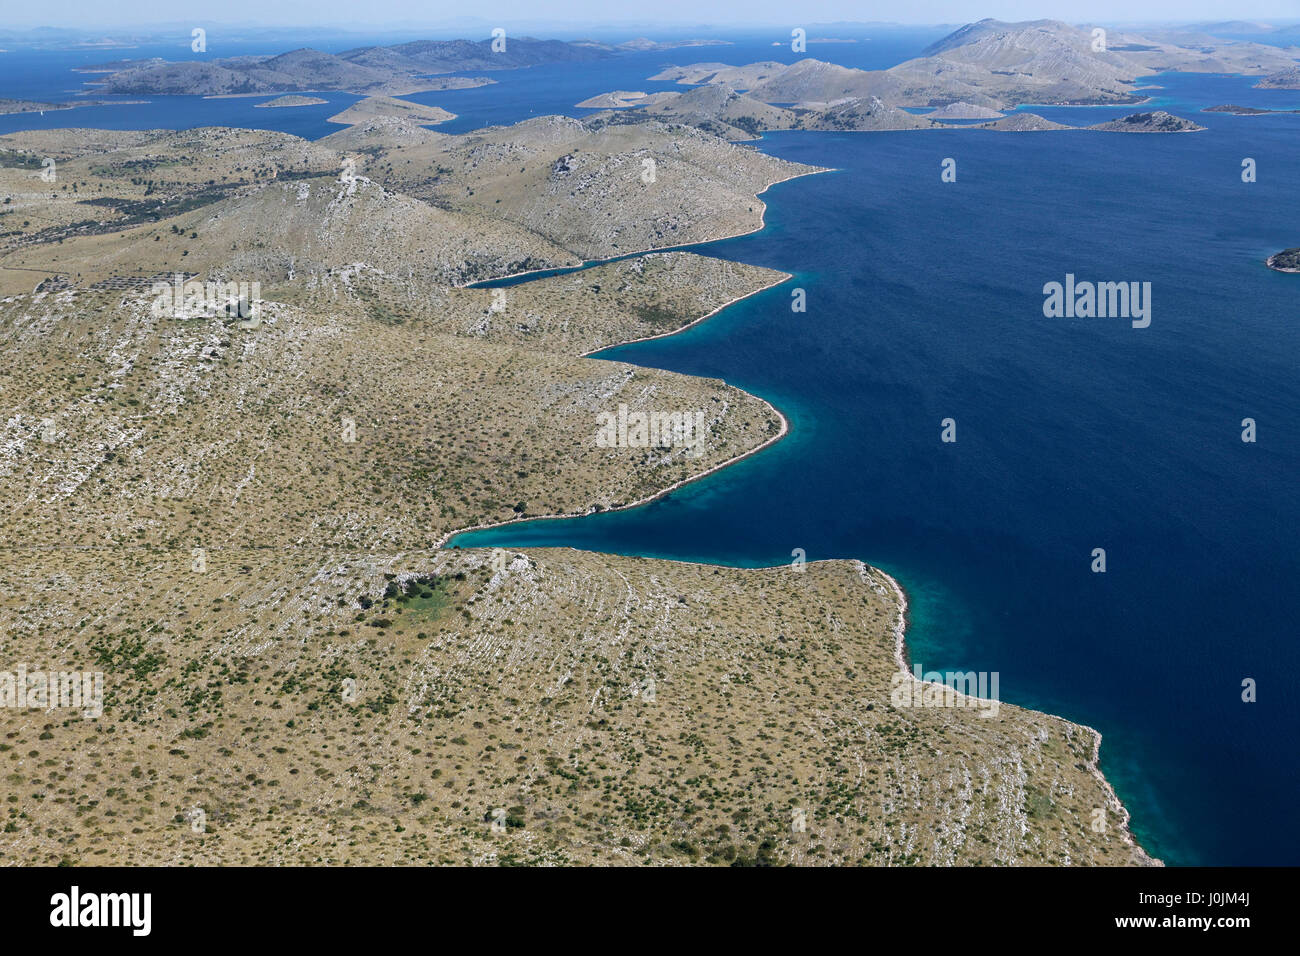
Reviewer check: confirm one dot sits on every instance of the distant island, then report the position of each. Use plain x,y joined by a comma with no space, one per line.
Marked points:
737,116
387,107
978,72
292,100
380,70
1288,79
644,44
9,107
1001,65
1155,122
1288,260
391,70
1243,110
990,65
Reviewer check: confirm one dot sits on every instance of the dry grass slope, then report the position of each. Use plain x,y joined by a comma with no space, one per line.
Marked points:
239,526
619,710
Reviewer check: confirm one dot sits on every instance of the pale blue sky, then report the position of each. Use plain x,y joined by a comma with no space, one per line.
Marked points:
737,13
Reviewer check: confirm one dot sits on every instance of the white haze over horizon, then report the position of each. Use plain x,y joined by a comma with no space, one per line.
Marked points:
568,15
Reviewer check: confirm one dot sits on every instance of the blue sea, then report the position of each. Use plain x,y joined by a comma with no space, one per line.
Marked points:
925,302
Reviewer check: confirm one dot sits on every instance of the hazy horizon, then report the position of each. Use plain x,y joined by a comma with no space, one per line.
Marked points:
85,16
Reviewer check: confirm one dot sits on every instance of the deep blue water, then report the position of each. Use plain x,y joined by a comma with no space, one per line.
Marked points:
925,302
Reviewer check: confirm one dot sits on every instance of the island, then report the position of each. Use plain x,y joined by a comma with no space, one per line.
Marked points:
1019,122
1002,65
9,106
1288,260
1287,79
979,72
737,116
1157,121
381,70
1243,110
389,107
291,100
